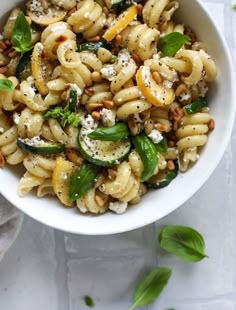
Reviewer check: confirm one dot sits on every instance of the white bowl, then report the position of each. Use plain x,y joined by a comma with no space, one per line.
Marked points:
155,204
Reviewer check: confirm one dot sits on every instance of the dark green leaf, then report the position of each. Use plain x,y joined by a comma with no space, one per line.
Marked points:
63,115
88,301
21,34
184,242
23,69
6,85
172,42
234,6
82,180
196,106
162,146
72,100
114,133
94,46
148,154
150,287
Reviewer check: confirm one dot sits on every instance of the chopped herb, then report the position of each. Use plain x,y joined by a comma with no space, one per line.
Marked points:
63,115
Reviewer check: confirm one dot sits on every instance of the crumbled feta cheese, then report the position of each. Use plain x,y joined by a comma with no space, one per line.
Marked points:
184,96
76,88
118,207
108,72
167,84
1,130
89,123
16,118
35,141
146,76
123,58
108,117
202,88
155,136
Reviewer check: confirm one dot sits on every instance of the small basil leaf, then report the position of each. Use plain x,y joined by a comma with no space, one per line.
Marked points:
148,154
6,85
172,42
184,242
162,146
196,106
88,301
82,180
114,133
150,287
21,34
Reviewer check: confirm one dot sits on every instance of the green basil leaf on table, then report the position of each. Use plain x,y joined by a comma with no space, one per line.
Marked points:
6,85
150,287
114,133
148,154
88,301
82,180
21,34
172,42
183,241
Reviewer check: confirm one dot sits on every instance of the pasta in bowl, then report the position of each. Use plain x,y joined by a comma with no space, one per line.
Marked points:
105,106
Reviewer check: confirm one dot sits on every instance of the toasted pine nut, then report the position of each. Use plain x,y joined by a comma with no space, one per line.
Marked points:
148,126
99,201
160,127
96,76
136,58
133,127
94,39
88,91
12,54
171,143
7,42
170,165
163,26
64,95
175,126
93,106
211,124
2,45
180,89
118,40
2,63
3,69
139,8
108,104
73,10
156,76
95,115
2,160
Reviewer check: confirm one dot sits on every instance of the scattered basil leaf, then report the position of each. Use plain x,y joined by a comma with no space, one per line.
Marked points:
182,241
6,85
148,154
88,301
82,180
172,42
63,116
150,287
114,133
23,69
234,6
94,46
162,146
196,106
21,34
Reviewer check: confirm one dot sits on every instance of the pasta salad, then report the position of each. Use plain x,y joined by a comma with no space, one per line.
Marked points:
102,100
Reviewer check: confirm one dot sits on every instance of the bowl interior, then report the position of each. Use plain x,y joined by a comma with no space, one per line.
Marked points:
155,204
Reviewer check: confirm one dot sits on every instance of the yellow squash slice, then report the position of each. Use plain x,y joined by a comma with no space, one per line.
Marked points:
120,23
41,69
156,94
60,180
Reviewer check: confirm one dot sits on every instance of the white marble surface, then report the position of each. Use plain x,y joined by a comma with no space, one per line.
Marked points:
47,269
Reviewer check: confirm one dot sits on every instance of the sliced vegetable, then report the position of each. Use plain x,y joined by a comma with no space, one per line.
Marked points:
196,106
172,42
156,94
120,5
82,180
72,100
114,133
103,153
40,146
162,146
94,46
41,68
6,85
23,69
120,23
21,34
61,179
148,154
163,178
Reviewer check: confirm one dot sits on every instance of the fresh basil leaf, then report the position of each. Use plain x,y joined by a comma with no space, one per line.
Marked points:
184,242
172,42
6,85
88,301
82,180
114,133
21,34
148,154
162,146
150,287
196,106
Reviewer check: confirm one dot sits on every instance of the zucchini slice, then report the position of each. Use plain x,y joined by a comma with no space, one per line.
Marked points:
41,147
163,178
94,46
103,153
23,69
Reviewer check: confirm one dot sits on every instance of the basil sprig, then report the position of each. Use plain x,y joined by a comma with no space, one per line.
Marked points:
150,287
148,154
21,34
82,180
6,85
114,133
184,242
88,301
172,42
